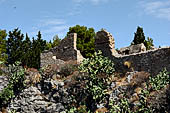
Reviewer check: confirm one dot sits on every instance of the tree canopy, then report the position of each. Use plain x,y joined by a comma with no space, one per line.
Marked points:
3,55
23,49
85,39
140,38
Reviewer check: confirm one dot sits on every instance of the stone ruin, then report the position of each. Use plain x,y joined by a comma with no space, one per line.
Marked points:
152,61
132,49
104,41
66,51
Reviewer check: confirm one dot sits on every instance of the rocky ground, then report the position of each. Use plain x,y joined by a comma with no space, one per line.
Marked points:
60,88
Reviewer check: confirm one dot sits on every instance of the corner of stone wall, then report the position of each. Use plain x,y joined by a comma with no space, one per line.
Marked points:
67,50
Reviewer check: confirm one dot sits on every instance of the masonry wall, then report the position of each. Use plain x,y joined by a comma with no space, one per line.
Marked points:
66,51
150,61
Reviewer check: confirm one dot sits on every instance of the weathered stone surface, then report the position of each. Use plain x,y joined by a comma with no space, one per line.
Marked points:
104,41
32,100
152,61
66,51
133,49
3,82
47,58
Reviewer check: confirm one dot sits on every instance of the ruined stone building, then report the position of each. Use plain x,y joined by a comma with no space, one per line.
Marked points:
152,61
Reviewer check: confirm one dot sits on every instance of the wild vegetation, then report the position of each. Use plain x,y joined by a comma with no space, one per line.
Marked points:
95,74
85,39
16,76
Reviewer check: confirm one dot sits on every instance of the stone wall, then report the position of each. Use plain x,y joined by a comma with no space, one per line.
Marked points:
152,61
66,51
132,49
139,59
104,41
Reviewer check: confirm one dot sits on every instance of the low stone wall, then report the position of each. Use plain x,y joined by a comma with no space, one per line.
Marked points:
152,61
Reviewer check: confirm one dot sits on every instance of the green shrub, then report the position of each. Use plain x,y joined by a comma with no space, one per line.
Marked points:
123,106
160,80
15,85
67,69
96,66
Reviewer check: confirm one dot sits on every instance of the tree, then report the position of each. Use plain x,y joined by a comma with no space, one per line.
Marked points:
38,46
26,47
149,43
14,44
56,41
139,36
3,55
85,39
48,45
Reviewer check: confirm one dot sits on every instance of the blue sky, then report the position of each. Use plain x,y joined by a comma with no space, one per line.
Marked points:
119,17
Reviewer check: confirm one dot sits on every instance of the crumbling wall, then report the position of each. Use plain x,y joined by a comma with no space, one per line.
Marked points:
139,59
152,61
66,51
104,41
132,49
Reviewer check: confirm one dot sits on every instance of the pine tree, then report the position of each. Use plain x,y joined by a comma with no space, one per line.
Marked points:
3,55
85,39
38,46
139,36
14,44
26,47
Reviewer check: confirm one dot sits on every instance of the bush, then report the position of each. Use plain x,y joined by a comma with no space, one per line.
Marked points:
15,85
68,69
99,69
160,81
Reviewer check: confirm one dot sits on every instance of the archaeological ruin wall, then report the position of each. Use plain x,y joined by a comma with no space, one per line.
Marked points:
139,59
66,51
152,61
105,42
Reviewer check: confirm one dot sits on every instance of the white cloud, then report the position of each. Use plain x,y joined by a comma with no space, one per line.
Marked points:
159,8
51,22
76,10
50,27
55,29
95,2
